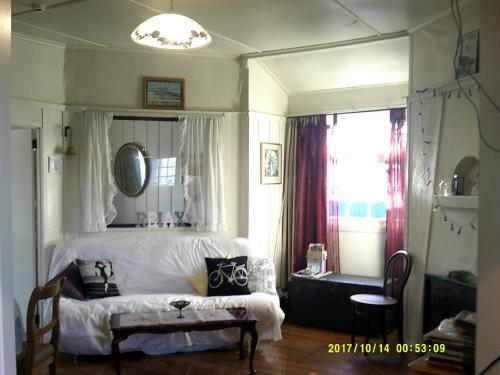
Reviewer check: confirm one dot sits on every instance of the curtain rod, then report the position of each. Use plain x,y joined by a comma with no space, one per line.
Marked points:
145,112
145,118
352,110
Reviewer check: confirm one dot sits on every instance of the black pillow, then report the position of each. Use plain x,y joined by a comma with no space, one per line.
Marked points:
98,278
227,276
73,286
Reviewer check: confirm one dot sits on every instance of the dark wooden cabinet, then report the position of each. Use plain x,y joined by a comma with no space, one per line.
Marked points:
444,298
325,303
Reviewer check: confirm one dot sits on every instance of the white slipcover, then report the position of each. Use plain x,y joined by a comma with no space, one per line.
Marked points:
152,270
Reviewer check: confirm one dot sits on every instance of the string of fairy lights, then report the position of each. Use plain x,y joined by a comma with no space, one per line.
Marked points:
454,225
428,148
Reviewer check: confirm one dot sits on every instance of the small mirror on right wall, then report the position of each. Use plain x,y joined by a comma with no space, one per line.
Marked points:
466,177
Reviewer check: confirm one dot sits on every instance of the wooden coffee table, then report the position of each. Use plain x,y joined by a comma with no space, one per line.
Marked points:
124,325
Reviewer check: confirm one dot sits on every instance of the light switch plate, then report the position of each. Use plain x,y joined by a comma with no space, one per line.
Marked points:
55,164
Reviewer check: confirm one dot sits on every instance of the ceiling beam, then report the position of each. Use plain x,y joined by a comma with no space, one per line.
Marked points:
86,41
323,46
355,16
411,30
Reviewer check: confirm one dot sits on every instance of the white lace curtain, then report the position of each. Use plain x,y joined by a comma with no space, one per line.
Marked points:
202,171
97,186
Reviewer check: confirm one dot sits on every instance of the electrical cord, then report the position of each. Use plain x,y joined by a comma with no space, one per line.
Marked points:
457,18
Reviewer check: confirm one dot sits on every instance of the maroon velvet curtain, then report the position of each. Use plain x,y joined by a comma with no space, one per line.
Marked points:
396,168
332,241
310,187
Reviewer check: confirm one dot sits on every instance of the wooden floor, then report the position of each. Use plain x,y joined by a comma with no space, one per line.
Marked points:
303,350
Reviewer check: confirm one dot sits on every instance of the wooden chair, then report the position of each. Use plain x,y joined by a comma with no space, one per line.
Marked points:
38,355
396,273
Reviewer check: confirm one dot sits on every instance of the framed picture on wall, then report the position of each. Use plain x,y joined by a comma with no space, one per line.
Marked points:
163,93
271,161
467,61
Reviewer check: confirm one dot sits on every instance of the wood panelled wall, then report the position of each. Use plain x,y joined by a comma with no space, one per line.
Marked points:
265,200
162,140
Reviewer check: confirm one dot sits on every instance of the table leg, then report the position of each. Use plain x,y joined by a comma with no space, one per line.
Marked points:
115,350
242,336
255,338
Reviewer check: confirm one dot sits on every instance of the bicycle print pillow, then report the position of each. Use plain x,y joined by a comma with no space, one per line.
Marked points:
227,277
98,278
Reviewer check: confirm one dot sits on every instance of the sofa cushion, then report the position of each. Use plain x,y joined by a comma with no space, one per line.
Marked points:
98,278
200,283
73,286
227,276
261,275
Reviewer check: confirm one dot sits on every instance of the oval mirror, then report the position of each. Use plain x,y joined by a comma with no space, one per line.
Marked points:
131,169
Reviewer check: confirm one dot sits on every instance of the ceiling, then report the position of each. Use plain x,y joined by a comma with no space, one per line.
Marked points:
243,27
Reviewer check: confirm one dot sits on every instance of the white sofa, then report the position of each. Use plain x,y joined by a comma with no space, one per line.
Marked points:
152,270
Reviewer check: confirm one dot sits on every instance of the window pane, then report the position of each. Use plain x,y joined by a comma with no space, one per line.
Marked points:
358,209
164,171
379,210
358,143
341,208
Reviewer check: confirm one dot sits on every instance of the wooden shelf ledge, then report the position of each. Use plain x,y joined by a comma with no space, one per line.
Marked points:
466,202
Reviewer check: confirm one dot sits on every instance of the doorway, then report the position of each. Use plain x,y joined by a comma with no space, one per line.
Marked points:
25,195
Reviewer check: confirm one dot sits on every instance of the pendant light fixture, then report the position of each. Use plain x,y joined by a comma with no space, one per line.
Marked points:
171,31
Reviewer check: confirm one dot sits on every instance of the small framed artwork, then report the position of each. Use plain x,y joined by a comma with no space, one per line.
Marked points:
467,61
270,163
163,93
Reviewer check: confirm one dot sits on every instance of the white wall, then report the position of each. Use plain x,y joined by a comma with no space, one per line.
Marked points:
114,79
488,303
23,212
7,350
449,251
348,100
38,78
432,50
230,159
37,70
434,46
265,200
362,252
266,94
266,123
51,186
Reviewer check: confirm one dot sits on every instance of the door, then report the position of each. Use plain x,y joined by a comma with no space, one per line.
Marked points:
24,235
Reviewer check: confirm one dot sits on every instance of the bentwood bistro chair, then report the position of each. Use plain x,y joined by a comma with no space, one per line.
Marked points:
38,355
396,273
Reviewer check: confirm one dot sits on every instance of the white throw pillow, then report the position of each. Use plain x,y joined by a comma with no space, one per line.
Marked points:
261,275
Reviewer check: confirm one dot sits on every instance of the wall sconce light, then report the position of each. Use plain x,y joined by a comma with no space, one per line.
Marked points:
71,150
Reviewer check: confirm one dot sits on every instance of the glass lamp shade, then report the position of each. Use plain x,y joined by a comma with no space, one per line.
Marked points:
171,31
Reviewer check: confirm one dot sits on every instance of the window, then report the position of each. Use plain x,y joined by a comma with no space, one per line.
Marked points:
358,144
164,172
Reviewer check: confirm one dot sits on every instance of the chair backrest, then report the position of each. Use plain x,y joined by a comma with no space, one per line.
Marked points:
396,273
35,334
